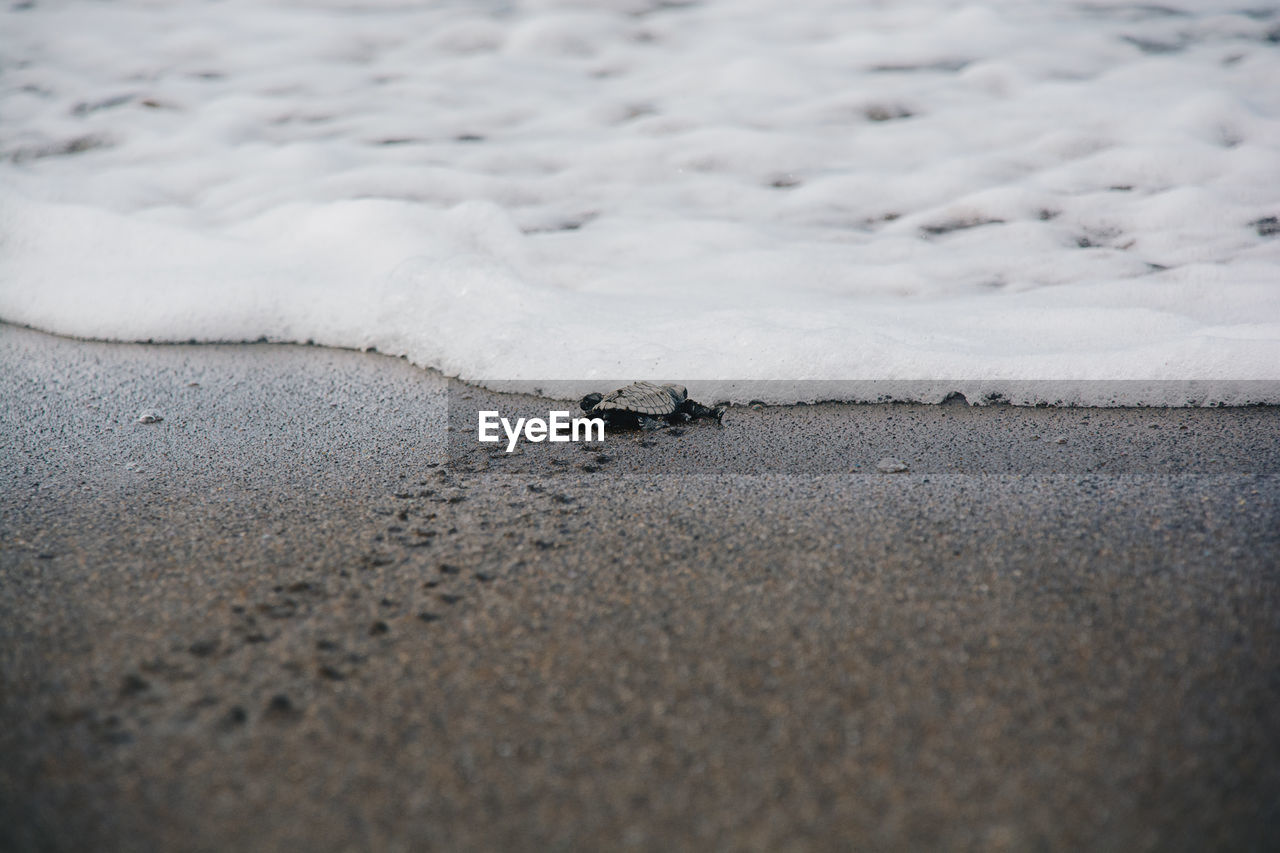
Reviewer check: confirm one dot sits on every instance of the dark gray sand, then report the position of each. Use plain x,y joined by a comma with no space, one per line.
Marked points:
275,620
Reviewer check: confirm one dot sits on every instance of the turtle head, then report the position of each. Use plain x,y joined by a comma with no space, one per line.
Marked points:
589,402
681,393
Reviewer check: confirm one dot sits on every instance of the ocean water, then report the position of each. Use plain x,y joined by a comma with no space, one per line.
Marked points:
564,190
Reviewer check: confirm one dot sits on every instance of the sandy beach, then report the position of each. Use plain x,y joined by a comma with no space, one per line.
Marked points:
292,615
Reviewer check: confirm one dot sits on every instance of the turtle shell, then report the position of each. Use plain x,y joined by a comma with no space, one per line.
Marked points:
644,398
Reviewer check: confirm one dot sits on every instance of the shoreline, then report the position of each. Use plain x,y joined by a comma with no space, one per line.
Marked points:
1135,393
291,614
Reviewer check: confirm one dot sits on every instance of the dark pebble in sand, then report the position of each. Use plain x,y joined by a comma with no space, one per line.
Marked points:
378,627
590,469
428,617
280,707
237,716
133,684
203,648
483,577
446,569
331,673
449,598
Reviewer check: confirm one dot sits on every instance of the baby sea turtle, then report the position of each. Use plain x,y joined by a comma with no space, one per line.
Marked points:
647,406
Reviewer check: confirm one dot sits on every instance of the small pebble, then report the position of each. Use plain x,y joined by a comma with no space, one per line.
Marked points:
280,707
149,416
889,465
1062,439
132,684
203,648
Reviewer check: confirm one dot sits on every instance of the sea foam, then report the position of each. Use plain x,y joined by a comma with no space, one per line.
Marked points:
734,189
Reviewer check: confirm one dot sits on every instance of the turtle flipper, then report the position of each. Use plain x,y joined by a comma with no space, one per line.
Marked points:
697,410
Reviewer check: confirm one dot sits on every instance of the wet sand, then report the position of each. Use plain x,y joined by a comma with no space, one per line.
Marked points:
290,615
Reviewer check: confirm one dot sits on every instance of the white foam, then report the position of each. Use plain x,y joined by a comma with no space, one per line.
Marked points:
731,189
